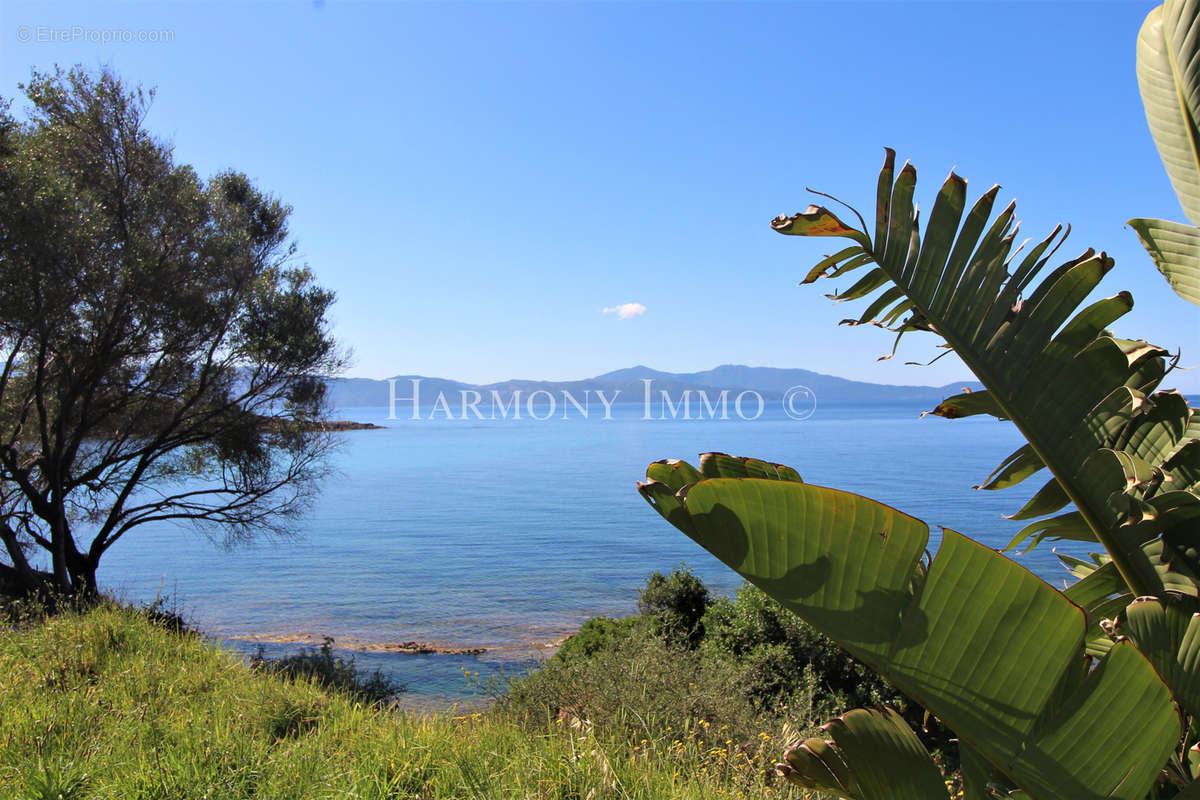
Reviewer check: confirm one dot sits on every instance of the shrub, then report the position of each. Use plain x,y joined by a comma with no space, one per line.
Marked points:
598,633
165,613
332,672
677,603
638,686
773,647
745,665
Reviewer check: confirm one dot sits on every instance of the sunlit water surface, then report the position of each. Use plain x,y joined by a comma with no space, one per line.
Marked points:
507,534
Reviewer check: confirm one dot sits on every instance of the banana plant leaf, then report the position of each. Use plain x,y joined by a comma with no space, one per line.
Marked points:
1102,595
871,754
996,653
1175,249
981,781
1084,400
1169,635
1168,71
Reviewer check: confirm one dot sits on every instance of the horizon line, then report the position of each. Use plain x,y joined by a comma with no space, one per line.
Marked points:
970,379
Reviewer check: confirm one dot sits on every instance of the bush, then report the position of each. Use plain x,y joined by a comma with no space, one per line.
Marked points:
746,667
598,633
782,661
677,603
332,672
639,687
165,613
773,647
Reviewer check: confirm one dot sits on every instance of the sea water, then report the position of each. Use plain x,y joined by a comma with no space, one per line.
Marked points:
506,534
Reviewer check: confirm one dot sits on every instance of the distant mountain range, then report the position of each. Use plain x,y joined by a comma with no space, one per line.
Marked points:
770,382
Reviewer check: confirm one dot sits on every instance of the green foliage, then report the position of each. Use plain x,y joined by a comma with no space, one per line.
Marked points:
773,646
166,615
638,684
1085,400
598,633
155,333
677,603
754,670
1167,57
331,672
1018,670
869,753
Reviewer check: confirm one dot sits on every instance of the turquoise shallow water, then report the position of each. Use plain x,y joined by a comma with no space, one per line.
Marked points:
507,534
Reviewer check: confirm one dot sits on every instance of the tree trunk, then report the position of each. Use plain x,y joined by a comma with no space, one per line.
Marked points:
74,574
21,579
83,577
60,539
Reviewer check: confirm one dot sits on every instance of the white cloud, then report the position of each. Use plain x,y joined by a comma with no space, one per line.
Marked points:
626,310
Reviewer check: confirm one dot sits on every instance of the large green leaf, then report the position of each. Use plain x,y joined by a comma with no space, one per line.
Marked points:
1168,72
1048,365
1102,594
1169,635
994,652
980,779
871,754
1175,249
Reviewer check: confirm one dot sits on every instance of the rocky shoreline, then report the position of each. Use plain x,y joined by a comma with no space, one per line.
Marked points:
408,647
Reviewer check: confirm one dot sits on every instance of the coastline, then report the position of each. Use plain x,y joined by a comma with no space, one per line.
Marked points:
471,673
515,651
338,425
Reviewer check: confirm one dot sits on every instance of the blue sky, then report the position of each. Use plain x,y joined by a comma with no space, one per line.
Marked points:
477,182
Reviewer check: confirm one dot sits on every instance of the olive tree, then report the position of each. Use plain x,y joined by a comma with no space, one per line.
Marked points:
161,350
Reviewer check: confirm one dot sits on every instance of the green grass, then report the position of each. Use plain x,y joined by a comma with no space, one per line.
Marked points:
106,705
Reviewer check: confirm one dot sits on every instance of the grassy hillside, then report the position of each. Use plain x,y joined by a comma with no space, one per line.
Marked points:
108,705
